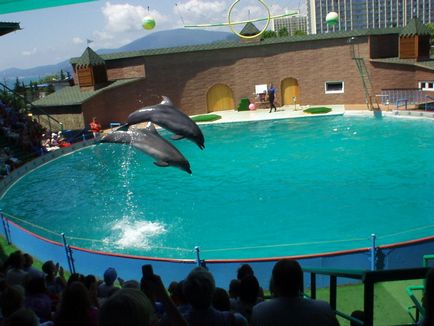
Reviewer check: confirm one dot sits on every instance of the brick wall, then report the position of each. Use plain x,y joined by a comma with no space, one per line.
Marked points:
187,77
125,68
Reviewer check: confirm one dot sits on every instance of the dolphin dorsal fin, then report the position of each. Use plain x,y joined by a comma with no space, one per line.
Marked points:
166,101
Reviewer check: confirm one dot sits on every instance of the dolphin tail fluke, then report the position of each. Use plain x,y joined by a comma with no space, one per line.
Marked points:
177,137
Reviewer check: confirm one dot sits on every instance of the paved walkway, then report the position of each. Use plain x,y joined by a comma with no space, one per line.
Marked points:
284,112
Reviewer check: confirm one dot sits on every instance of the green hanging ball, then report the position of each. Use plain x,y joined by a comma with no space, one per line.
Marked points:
332,18
148,23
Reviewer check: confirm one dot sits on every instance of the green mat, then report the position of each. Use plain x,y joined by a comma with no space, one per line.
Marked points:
206,118
317,110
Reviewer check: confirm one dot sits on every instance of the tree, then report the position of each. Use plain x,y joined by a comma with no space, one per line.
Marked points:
431,28
62,75
50,89
17,86
299,32
269,34
283,32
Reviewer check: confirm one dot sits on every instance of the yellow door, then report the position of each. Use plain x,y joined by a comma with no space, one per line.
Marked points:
290,89
220,98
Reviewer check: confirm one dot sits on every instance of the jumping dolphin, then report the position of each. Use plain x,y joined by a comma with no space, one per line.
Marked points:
169,117
149,141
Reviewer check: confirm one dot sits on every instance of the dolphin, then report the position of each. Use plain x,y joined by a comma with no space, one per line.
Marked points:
169,117
149,141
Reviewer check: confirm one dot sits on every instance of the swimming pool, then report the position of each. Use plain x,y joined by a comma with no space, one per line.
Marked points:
259,189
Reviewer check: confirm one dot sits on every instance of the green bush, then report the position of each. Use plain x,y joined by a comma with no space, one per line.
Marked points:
206,118
317,110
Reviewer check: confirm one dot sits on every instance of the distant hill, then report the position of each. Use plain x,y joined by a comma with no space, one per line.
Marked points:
163,39
173,38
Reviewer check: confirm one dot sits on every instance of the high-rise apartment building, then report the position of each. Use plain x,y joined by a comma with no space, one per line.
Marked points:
291,23
362,14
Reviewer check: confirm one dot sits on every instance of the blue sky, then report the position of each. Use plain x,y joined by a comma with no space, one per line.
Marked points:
51,35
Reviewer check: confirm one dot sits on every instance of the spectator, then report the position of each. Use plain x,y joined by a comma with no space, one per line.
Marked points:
234,289
91,285
11,300
199,290
221,302
131,284
55,284
23,317
28,267
249,288
75,307
127,307
289,307
244,270
37,298
107,288
16,275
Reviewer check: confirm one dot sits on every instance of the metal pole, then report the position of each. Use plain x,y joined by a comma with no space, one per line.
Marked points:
373,251
197,250
65,245
71,258
6,227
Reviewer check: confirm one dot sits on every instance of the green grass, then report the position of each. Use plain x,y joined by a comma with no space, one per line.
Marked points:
206,118
390,303
6,249
317,110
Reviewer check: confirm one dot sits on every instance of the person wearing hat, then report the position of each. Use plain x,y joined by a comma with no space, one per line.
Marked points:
107,288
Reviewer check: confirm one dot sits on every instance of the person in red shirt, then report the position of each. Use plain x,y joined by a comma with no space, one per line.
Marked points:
95,127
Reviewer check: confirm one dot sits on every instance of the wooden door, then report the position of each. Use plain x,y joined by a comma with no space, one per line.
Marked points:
220,98
290,89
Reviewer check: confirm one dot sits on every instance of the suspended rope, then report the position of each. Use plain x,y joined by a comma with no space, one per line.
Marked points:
84,239
307,243
284,245
406,231
31,224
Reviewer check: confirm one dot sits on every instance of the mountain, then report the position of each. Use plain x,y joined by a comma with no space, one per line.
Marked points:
162,39
173,38
34,74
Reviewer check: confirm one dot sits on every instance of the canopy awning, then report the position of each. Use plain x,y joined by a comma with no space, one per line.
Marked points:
8,28
9,6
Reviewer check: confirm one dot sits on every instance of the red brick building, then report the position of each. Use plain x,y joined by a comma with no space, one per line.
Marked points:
336,68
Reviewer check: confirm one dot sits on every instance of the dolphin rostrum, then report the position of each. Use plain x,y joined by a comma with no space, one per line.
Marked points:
149,141
169,117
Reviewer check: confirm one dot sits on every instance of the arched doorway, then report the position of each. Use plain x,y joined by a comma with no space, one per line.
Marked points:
219,98
290,88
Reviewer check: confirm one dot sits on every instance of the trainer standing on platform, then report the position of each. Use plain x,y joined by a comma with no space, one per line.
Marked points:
271,92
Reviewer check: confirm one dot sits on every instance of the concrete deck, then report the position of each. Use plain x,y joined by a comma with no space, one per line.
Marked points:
284,112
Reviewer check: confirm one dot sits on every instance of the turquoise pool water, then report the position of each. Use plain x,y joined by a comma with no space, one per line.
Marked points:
259,189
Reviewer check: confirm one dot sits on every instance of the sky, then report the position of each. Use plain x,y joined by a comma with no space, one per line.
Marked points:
52,35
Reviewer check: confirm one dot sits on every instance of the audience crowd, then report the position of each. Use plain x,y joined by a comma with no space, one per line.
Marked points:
20,131
29,296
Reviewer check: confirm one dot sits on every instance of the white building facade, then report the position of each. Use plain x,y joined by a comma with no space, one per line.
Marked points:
292,24
363,14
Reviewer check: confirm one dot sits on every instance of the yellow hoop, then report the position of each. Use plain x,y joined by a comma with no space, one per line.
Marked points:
252,36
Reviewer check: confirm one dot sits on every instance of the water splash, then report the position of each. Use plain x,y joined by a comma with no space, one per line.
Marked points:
136,234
